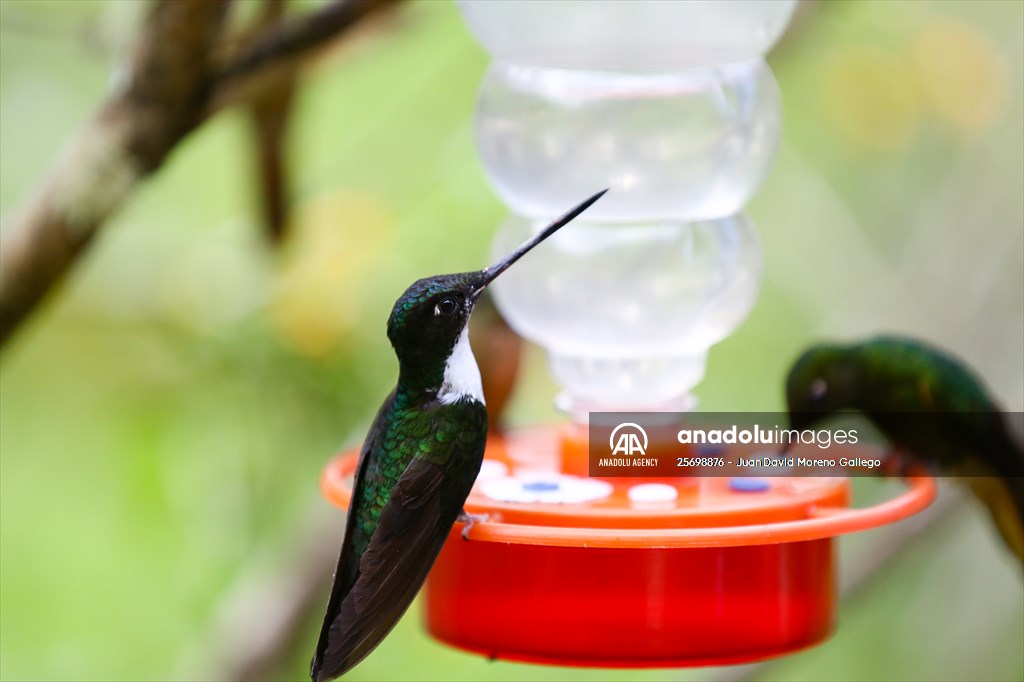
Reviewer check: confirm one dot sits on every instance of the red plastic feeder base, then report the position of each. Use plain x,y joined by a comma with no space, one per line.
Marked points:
576,571
632,608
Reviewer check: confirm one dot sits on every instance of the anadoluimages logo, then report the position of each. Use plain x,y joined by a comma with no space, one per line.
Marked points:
628,439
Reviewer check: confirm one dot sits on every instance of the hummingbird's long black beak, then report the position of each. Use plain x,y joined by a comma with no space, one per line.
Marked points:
488,274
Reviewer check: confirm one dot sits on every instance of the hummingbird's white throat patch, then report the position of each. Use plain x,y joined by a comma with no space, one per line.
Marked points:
461,374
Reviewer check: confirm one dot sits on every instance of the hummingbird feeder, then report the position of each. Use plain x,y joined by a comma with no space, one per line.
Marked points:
672,106
569,570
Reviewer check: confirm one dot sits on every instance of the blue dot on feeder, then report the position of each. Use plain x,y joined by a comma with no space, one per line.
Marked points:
749,485
540,486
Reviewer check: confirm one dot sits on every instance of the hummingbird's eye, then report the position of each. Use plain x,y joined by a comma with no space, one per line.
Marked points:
818,389
447,307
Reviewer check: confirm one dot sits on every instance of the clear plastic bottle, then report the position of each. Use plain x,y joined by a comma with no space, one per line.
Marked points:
671,106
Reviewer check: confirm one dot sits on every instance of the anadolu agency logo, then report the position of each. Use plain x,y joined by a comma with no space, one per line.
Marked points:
628,439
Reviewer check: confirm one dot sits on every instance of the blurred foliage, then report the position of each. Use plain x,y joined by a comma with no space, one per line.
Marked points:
164,418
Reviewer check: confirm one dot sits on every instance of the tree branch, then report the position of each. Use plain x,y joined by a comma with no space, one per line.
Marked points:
130,136
173,84
278,51
292,40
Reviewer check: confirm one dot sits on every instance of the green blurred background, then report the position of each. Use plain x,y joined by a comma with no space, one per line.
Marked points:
165,416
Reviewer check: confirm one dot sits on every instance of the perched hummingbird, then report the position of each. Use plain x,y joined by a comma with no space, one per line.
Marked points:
931,408
417,465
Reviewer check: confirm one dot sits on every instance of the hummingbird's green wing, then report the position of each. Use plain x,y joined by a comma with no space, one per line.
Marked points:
413,526
347,568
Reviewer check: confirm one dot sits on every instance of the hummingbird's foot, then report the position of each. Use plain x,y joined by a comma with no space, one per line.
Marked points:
471,520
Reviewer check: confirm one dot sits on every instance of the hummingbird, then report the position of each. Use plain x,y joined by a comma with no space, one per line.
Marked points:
930,406
417,464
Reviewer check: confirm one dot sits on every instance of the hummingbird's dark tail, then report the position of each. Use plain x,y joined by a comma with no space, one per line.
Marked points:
1003,498
1016,486
1003,495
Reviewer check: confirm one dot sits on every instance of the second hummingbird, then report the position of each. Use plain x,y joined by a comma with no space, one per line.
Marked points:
417,465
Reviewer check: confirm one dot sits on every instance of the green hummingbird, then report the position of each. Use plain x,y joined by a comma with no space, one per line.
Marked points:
417,465
930,406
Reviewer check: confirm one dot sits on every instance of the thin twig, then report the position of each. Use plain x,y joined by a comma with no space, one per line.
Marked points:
294,39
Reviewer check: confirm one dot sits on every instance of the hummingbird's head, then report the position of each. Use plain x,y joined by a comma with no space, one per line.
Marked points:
428,320
427,326
824,380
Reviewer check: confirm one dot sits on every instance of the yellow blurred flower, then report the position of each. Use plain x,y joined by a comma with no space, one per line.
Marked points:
336,238
870,95
963,76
